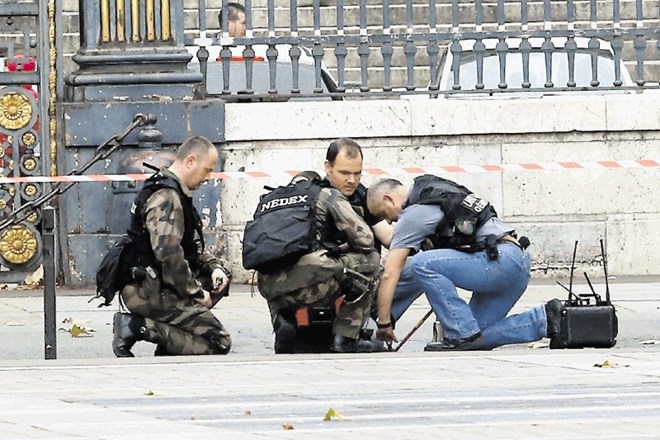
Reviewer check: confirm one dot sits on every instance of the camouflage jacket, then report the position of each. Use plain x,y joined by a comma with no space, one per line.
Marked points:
334,212
164,220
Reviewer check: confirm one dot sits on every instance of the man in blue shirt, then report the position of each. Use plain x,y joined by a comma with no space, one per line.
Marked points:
471,249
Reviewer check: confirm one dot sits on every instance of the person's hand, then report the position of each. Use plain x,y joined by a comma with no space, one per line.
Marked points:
206,301
219,280
387,335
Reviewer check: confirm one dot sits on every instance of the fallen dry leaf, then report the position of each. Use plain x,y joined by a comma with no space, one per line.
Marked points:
287,426
332,414
76,321
152,393
609,364
78,331
33,281
248,412
538,344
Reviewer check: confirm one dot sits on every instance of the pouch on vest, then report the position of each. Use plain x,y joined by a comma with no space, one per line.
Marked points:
113,272
283,227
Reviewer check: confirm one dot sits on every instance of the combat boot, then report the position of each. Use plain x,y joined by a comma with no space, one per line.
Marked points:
161,350
127,330
343,344
554,309
285,335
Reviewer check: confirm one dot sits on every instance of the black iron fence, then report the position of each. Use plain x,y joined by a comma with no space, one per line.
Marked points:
356,48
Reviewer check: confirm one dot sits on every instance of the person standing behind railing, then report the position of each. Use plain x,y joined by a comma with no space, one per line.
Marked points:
235,18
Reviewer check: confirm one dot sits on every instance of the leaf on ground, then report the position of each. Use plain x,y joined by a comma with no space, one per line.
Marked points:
650,341
152,393
287,426
609,364
76,321
33,281
78,331
538,344
248,412
332,414
14,324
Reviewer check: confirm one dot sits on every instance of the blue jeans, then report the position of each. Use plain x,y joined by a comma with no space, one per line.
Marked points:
496,286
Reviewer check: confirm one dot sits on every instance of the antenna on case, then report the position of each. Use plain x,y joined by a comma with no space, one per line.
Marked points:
570,283
607,284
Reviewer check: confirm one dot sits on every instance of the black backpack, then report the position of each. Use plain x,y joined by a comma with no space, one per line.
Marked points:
283,228
114,271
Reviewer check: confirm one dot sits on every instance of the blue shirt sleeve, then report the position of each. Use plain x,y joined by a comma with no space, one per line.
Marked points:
415,224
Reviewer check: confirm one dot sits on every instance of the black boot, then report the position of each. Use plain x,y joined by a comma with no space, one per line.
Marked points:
161,350
470,343
127,330
343,344
553,311
285,335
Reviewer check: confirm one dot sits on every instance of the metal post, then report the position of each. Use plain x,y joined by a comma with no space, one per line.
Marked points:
50,319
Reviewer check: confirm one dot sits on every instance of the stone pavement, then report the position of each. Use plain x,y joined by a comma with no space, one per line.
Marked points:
509,393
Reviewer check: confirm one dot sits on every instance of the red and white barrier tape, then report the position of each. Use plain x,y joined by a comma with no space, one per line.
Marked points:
486,168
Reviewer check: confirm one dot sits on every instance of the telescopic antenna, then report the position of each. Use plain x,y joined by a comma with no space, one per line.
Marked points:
570,283
590,285
607,285
597,296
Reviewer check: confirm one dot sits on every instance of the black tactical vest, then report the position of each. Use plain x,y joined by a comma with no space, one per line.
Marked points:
193,239
283,227
464,212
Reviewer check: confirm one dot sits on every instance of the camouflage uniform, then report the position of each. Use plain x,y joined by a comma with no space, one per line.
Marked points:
320,277
166,298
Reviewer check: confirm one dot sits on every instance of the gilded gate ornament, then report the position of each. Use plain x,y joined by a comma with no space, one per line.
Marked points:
18,244
15,111
29,164
29,139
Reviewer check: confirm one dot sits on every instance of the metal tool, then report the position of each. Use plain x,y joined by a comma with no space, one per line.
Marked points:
414,329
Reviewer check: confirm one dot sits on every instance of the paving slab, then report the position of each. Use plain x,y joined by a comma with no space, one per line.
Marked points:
513,392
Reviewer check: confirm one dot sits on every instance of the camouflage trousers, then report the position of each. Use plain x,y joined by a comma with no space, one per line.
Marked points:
357,279
180,326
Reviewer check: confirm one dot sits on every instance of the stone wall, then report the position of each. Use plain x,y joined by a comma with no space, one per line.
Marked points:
553,207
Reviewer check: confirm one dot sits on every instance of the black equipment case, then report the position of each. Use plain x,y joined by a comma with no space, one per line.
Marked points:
587,320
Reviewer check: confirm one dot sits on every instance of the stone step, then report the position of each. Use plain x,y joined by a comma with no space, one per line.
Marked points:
398,15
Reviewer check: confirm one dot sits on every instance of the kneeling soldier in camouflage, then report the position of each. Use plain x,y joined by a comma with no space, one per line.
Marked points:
337,258
176,282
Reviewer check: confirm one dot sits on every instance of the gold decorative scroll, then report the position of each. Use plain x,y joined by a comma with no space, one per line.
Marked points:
52,85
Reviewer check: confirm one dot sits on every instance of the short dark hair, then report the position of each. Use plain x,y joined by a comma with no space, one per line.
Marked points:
348,145
233,9
194,145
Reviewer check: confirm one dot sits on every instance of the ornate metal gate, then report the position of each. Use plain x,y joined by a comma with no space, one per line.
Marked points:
27,141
